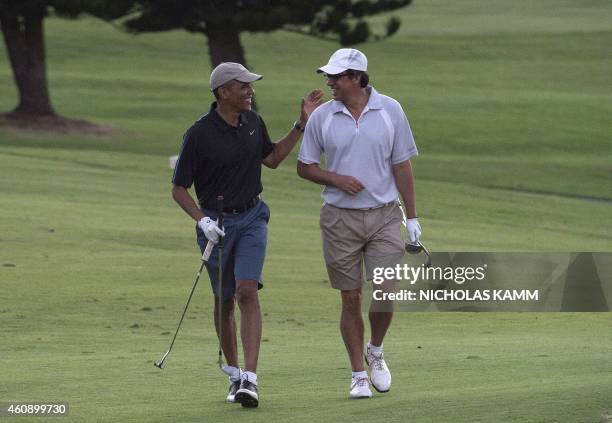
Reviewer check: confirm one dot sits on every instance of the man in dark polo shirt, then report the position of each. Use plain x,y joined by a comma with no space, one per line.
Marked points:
222,153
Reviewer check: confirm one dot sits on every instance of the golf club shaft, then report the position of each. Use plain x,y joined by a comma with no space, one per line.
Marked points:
220,279
405,222
161,362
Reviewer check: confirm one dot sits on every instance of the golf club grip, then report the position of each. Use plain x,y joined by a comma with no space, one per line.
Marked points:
220,206
207,250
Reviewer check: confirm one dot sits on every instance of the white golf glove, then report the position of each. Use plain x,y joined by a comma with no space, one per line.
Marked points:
414,230
210,229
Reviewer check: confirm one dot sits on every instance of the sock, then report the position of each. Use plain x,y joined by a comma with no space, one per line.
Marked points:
232,372
360,375
375,349
250,376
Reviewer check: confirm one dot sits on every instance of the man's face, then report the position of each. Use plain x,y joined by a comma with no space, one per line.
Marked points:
238,95
342,85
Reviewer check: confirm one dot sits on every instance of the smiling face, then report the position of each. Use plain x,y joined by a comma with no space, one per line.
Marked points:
343,85
237,96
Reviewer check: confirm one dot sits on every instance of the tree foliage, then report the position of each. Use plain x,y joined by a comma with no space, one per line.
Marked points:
342,20
220,21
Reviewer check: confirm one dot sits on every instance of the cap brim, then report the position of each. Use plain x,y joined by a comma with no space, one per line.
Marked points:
249,77
331,70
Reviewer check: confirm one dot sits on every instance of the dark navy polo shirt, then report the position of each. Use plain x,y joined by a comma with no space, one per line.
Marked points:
219,158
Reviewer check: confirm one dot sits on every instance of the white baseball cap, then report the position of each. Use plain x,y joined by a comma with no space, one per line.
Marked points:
227,71
344,59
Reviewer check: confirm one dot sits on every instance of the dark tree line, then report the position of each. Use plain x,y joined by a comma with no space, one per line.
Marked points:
220,21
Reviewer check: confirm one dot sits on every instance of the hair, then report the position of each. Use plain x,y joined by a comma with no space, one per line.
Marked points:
225,85
364,78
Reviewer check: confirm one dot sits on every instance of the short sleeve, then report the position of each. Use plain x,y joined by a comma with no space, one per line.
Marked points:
185,168
266,144
404,146
312,145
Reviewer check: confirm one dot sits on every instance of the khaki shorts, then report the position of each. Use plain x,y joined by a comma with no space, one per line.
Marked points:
352,238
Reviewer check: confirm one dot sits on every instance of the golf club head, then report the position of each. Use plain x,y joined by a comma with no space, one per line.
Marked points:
416,249
413,248
160,364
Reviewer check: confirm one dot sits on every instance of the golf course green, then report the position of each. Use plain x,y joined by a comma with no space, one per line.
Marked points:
510,105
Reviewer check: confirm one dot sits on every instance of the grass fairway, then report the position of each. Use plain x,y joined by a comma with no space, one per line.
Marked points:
510,104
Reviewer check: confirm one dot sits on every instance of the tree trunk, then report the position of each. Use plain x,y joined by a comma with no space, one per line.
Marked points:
24,39
224,46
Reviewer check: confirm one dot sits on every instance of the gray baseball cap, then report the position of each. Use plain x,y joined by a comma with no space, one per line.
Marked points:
227,71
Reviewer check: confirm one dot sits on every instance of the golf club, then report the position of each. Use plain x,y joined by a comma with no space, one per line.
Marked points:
205,256
414,248
161,363
220,279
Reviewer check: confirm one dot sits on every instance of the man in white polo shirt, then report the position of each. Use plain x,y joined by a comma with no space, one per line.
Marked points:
367,143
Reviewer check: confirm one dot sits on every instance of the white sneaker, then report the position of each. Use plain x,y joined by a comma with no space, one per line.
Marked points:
380,376
233,388
360,388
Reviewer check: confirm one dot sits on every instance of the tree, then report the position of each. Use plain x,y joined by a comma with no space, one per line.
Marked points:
22,28
222,21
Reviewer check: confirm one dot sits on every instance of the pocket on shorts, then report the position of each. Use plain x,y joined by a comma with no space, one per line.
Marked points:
387,241
266,212
329,216
394,214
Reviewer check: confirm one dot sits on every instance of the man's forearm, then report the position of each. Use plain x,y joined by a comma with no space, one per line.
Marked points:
315,174
185,200
404,181
282,148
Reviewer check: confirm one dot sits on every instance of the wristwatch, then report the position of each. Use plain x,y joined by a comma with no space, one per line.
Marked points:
298,125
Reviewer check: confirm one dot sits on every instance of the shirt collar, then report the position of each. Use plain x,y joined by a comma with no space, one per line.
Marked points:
374,102
221,123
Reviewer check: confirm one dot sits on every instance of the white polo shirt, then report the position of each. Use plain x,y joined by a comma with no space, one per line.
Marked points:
365,149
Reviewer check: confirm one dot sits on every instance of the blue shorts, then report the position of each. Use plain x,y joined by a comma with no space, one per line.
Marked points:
244,248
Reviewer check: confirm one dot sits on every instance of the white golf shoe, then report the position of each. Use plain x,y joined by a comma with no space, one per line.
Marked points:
360,388
380,376
233,388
